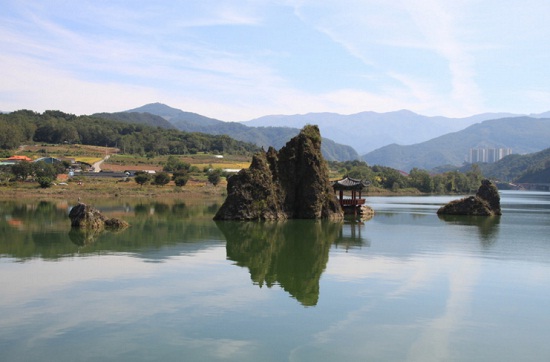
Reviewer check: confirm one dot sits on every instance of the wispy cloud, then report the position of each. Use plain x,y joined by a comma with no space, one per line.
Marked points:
239,61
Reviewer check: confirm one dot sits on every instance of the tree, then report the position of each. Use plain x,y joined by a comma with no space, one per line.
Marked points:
47,170
22,170
215,176
45,181
5,174
421,180
142,178
181,180
161,179
173,164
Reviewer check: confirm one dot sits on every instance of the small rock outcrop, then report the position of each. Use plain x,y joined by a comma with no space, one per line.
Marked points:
86,217
290,184
486,202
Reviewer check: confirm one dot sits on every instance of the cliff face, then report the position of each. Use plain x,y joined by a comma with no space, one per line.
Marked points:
486,202
290,184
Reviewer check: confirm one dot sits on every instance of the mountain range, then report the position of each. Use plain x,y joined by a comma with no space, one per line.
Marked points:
521,134
261,136
368,131
401,139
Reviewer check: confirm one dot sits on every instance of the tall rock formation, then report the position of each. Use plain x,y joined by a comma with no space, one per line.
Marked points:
290,184
486,202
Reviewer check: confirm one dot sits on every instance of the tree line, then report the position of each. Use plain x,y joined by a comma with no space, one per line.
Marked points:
57,127
391,179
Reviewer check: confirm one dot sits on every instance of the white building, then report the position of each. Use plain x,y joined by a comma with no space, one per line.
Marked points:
487,155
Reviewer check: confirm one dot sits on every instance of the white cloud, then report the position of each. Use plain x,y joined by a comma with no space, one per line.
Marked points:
433,57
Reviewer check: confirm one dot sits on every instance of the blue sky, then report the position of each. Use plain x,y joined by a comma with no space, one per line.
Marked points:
237,60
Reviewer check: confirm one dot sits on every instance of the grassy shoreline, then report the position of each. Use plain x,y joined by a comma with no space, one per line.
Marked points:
101,189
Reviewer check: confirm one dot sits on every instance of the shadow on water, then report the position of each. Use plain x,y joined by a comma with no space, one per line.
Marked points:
157,230
292,254
487,226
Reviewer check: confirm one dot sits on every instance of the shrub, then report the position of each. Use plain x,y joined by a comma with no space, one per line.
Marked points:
181,180
45,182
161,179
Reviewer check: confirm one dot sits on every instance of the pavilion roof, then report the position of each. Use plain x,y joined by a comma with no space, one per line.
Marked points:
348,183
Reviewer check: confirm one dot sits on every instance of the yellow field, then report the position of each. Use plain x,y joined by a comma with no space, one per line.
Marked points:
89,160
223,165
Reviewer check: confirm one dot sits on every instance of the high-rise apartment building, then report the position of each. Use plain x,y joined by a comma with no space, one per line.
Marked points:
488,155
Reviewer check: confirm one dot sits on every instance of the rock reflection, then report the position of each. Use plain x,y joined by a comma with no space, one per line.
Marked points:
487,226
82,237
292,254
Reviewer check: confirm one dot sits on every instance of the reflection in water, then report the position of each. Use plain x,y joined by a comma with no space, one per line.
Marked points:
350,237
487,225
292,254
43,229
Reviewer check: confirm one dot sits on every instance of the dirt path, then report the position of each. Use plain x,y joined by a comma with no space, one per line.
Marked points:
97,165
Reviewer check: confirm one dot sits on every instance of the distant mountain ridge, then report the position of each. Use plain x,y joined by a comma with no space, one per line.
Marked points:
392,137
522,134
367,131
136,117
176,117
261,136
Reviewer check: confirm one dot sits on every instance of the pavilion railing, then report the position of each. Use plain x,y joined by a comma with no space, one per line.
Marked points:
351,202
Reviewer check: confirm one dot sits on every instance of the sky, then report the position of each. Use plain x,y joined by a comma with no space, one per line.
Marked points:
242,59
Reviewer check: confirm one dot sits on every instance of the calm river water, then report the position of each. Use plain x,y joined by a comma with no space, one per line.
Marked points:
177,286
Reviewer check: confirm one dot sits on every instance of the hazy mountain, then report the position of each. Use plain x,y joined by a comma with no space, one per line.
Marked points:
367,131
136,117
261,136
541,115
177,117
522,134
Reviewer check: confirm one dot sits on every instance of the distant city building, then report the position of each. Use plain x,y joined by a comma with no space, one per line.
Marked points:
488,155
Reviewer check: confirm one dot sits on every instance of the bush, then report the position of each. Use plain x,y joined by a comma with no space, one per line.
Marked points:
142,178
215,177
181,180
45,182
161,179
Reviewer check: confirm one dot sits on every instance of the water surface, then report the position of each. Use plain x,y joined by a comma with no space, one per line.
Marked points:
406,285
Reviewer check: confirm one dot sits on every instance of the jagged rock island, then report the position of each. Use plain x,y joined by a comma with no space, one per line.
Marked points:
486,202
86,217
290,184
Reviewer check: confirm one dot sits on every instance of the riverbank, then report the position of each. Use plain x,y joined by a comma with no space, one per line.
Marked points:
107,188
101,189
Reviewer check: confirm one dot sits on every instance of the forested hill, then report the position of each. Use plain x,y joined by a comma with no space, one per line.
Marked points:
24,126
529,168
521,134
261,136
135,117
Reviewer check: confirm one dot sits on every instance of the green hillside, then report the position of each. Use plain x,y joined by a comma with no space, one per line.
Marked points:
56,127
529,168
261,136
521,134
139,118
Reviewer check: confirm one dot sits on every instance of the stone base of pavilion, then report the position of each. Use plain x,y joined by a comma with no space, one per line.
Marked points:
364,212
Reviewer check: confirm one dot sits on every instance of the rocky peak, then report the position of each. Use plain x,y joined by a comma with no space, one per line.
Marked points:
486,202
290,184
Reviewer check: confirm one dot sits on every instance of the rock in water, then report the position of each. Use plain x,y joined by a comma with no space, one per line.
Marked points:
486,202
86,217
290,184
489,192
